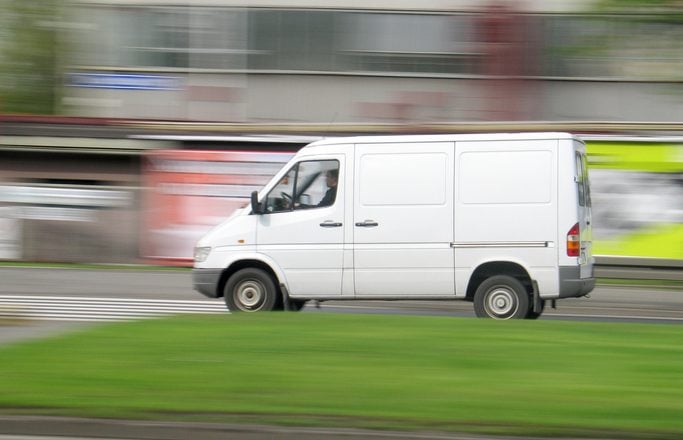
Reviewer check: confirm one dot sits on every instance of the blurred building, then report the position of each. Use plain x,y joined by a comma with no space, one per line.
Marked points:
334,61
101,190
70,198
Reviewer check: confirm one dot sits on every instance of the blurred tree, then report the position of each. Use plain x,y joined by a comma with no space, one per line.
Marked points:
29,56
666,10
637,4
648,37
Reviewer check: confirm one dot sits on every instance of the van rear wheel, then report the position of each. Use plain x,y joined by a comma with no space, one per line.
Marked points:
501,297
250,290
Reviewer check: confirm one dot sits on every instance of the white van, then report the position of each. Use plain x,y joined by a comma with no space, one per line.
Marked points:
502,220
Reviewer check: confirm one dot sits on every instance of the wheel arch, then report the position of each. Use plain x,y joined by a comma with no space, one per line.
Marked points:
491,268
243,264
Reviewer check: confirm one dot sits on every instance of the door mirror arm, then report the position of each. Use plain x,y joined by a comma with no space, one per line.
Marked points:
256,207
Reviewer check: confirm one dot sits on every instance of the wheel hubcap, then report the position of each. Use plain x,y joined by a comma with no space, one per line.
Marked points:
501,303
249,295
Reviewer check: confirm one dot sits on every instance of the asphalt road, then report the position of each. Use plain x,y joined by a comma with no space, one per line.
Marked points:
642,304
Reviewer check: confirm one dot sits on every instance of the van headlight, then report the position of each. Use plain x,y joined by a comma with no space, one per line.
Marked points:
201,253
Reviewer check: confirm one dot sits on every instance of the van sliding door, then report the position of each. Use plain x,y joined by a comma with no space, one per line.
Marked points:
403,220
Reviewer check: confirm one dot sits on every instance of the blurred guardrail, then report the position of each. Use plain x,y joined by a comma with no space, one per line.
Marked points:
632,268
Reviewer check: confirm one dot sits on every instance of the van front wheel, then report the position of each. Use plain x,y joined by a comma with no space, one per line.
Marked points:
501,297
250,290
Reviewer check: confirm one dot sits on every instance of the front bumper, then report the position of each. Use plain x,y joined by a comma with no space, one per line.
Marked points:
572,285
205,281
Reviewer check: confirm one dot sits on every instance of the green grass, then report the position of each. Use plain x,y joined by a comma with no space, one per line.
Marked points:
399,372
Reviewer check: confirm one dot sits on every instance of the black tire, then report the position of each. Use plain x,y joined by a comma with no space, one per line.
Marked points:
250,290
501,297
535,315
296,305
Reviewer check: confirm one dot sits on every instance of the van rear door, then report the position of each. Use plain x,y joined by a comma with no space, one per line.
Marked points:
585,214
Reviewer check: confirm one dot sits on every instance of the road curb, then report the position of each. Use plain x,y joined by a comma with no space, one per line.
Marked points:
161,430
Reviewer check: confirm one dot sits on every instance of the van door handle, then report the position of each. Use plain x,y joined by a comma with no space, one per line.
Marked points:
367,224
330,224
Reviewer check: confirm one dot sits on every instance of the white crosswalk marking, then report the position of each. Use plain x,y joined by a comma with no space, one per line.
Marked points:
66,308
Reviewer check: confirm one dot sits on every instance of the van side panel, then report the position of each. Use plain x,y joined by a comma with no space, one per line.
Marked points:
506,208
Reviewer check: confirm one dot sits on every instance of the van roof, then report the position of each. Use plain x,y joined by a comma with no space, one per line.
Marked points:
441,138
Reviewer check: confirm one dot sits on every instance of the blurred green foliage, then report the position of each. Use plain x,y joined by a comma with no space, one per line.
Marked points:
673,9
29,78
628,4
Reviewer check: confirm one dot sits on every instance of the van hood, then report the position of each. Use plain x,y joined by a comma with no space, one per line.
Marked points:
238,229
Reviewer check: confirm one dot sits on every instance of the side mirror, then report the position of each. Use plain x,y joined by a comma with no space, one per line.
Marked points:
256,207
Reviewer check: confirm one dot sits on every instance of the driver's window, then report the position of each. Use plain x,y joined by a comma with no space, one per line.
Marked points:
316,184
309,184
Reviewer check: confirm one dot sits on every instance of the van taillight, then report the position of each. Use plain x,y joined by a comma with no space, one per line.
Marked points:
574,241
